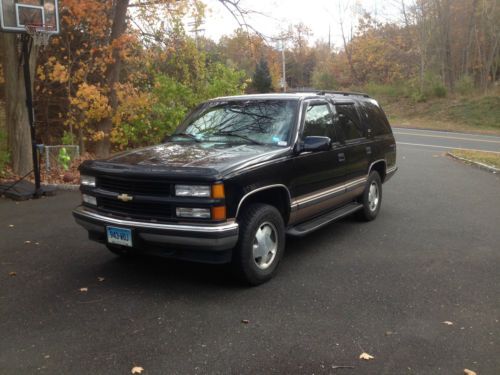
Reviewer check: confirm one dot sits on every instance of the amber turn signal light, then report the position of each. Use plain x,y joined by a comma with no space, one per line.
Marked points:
219,213
218,191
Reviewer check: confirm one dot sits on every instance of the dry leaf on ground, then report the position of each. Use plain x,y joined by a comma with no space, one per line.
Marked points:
448,323
245,321
11,225
12,274
84,290
366,356
469,372
27,242
137,370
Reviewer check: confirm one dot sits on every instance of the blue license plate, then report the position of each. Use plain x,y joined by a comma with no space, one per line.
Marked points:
119,236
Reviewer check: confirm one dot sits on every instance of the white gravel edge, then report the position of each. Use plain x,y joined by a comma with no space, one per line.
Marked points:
63,187
477,164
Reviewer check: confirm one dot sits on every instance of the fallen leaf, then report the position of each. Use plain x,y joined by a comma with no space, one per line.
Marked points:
101,279
469,372
46,356
245,321
37,243
27,242
366,356
448,323
84,290
137,370
11,225
12,274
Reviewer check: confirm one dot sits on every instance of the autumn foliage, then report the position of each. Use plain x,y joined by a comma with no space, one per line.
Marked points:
163,71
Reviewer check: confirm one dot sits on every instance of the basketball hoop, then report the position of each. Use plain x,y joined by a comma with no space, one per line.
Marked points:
40,34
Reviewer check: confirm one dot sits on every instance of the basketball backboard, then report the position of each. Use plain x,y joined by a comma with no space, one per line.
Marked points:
15,15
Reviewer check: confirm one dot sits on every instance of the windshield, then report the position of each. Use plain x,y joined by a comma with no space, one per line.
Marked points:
266,122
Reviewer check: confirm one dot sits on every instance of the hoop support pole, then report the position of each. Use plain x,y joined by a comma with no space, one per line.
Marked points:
31,112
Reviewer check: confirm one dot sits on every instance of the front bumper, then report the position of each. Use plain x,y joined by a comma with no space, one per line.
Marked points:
210,243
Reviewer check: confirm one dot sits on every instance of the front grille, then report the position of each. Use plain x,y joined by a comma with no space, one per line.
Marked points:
134,186
135,210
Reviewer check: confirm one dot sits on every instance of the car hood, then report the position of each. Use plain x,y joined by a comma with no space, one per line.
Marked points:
189,157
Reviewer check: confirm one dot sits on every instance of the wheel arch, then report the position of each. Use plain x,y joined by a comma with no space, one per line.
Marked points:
380,166
276,195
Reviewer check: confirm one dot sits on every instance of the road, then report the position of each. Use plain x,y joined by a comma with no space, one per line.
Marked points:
446,141
384,288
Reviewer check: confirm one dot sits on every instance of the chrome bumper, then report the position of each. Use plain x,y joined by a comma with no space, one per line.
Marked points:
213,237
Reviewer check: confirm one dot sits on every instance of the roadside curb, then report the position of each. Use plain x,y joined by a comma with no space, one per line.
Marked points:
63,187
476,164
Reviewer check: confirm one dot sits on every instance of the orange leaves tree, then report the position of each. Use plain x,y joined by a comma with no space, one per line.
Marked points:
124,73
76,84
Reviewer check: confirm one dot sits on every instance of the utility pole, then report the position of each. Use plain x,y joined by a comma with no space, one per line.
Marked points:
329,39
195,28
283,77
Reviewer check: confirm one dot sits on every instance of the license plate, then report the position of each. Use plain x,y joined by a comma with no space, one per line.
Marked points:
119,236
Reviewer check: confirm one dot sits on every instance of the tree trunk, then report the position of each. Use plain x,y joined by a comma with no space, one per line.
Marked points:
18,128
103,147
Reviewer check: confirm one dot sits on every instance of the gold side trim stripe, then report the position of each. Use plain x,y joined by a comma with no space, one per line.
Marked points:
332,191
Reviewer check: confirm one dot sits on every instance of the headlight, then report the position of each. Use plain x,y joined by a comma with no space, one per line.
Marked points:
198,213
87,181
193,191
89,199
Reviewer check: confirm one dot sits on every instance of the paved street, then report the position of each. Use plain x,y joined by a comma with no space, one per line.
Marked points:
385,288
446,141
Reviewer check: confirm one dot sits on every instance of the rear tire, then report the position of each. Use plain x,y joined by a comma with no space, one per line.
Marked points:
371,198
260,245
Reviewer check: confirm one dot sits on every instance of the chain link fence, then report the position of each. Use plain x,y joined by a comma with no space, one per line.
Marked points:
59,157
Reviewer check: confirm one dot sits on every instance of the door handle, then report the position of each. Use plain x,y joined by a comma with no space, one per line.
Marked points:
341,156
368,150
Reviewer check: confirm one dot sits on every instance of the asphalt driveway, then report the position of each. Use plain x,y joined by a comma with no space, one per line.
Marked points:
385,288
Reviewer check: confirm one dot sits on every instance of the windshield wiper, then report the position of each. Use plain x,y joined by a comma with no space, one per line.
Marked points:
230,134
186,135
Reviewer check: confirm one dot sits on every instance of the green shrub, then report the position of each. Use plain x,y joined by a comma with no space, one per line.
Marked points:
419,97
68,138
438,90
465,85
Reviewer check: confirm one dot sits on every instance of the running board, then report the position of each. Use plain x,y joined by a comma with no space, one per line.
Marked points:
307,227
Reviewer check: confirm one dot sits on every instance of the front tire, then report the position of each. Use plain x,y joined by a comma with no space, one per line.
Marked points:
371,198
260,245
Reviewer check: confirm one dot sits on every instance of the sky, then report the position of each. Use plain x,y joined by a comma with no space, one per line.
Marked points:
318,15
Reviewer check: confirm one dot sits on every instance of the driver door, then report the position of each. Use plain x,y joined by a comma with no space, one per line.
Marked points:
317,181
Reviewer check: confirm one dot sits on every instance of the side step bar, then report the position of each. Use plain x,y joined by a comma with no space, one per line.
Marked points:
309,226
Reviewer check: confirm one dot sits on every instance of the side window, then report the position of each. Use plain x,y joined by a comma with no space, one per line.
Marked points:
375,119
347,120
318,121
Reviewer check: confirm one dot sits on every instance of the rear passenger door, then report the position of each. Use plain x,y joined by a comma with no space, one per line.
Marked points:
353,135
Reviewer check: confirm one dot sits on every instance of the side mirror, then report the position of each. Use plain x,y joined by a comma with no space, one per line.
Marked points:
315,143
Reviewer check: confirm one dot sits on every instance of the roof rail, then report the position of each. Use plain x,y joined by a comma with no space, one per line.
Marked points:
324,92
345,93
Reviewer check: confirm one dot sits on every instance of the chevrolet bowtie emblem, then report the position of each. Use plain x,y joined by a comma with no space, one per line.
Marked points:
124,197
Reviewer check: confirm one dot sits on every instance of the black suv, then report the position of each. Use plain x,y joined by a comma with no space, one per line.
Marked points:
238,175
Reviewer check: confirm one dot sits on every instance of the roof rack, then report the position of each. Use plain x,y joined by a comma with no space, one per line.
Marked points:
324,92
344,93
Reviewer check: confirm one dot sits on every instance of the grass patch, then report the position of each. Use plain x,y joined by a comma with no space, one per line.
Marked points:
462,114
489,158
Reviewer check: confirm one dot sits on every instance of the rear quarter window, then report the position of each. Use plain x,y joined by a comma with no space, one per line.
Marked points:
374,118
